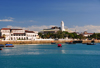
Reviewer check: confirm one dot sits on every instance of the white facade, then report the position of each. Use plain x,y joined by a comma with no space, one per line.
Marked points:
86,34
5,33
31,36
62,26
18,34
17,31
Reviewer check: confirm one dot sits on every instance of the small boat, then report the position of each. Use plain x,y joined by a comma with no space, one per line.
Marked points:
1,45
70,42
53,43
90,44
1,48
59,45
9,45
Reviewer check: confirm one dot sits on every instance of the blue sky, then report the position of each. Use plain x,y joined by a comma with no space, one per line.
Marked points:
28,13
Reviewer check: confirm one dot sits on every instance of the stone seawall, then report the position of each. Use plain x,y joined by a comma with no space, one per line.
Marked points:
44,42
89,41
32,42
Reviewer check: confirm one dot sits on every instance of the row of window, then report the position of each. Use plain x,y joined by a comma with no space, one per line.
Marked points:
22,35
5,31
17,34
17,31
18,38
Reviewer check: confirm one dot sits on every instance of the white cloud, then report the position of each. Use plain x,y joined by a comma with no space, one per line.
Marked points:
32,21
10,18
26,21
88,28
7,20
34,28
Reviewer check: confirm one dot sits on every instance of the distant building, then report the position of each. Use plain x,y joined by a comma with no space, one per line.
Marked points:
55,29
18,34
87,34
51,30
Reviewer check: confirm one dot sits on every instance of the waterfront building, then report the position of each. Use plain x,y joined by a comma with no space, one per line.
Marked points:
18,34
31,35
55,29
51,30
87,34
5,32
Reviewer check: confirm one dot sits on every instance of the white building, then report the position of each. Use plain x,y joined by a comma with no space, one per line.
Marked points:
87,34
18,34
31,35
62,26
63,29
5,32
56,29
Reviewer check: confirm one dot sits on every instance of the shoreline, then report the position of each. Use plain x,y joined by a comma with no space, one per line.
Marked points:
30,42
44,42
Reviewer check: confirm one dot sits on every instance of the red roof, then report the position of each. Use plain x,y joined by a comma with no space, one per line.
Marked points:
5,28
10,29
29,31
88,33
16,29
26,30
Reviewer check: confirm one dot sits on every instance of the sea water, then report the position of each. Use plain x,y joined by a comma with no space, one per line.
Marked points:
51,56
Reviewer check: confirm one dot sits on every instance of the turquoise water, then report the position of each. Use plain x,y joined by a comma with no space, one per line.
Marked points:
51,56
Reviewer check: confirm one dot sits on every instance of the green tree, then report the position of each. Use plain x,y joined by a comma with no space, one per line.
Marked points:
40,34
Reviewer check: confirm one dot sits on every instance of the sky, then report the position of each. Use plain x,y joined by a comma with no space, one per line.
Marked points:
79,15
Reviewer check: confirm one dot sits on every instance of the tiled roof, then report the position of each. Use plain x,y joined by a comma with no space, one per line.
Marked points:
10,29
29,31
5,28
88,33
16,29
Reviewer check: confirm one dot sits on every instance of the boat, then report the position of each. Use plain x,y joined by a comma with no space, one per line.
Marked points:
1,45
59,45
52,42
1,48
70,42
9,45
90,44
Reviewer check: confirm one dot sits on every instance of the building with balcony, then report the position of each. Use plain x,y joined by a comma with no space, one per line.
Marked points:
18,34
